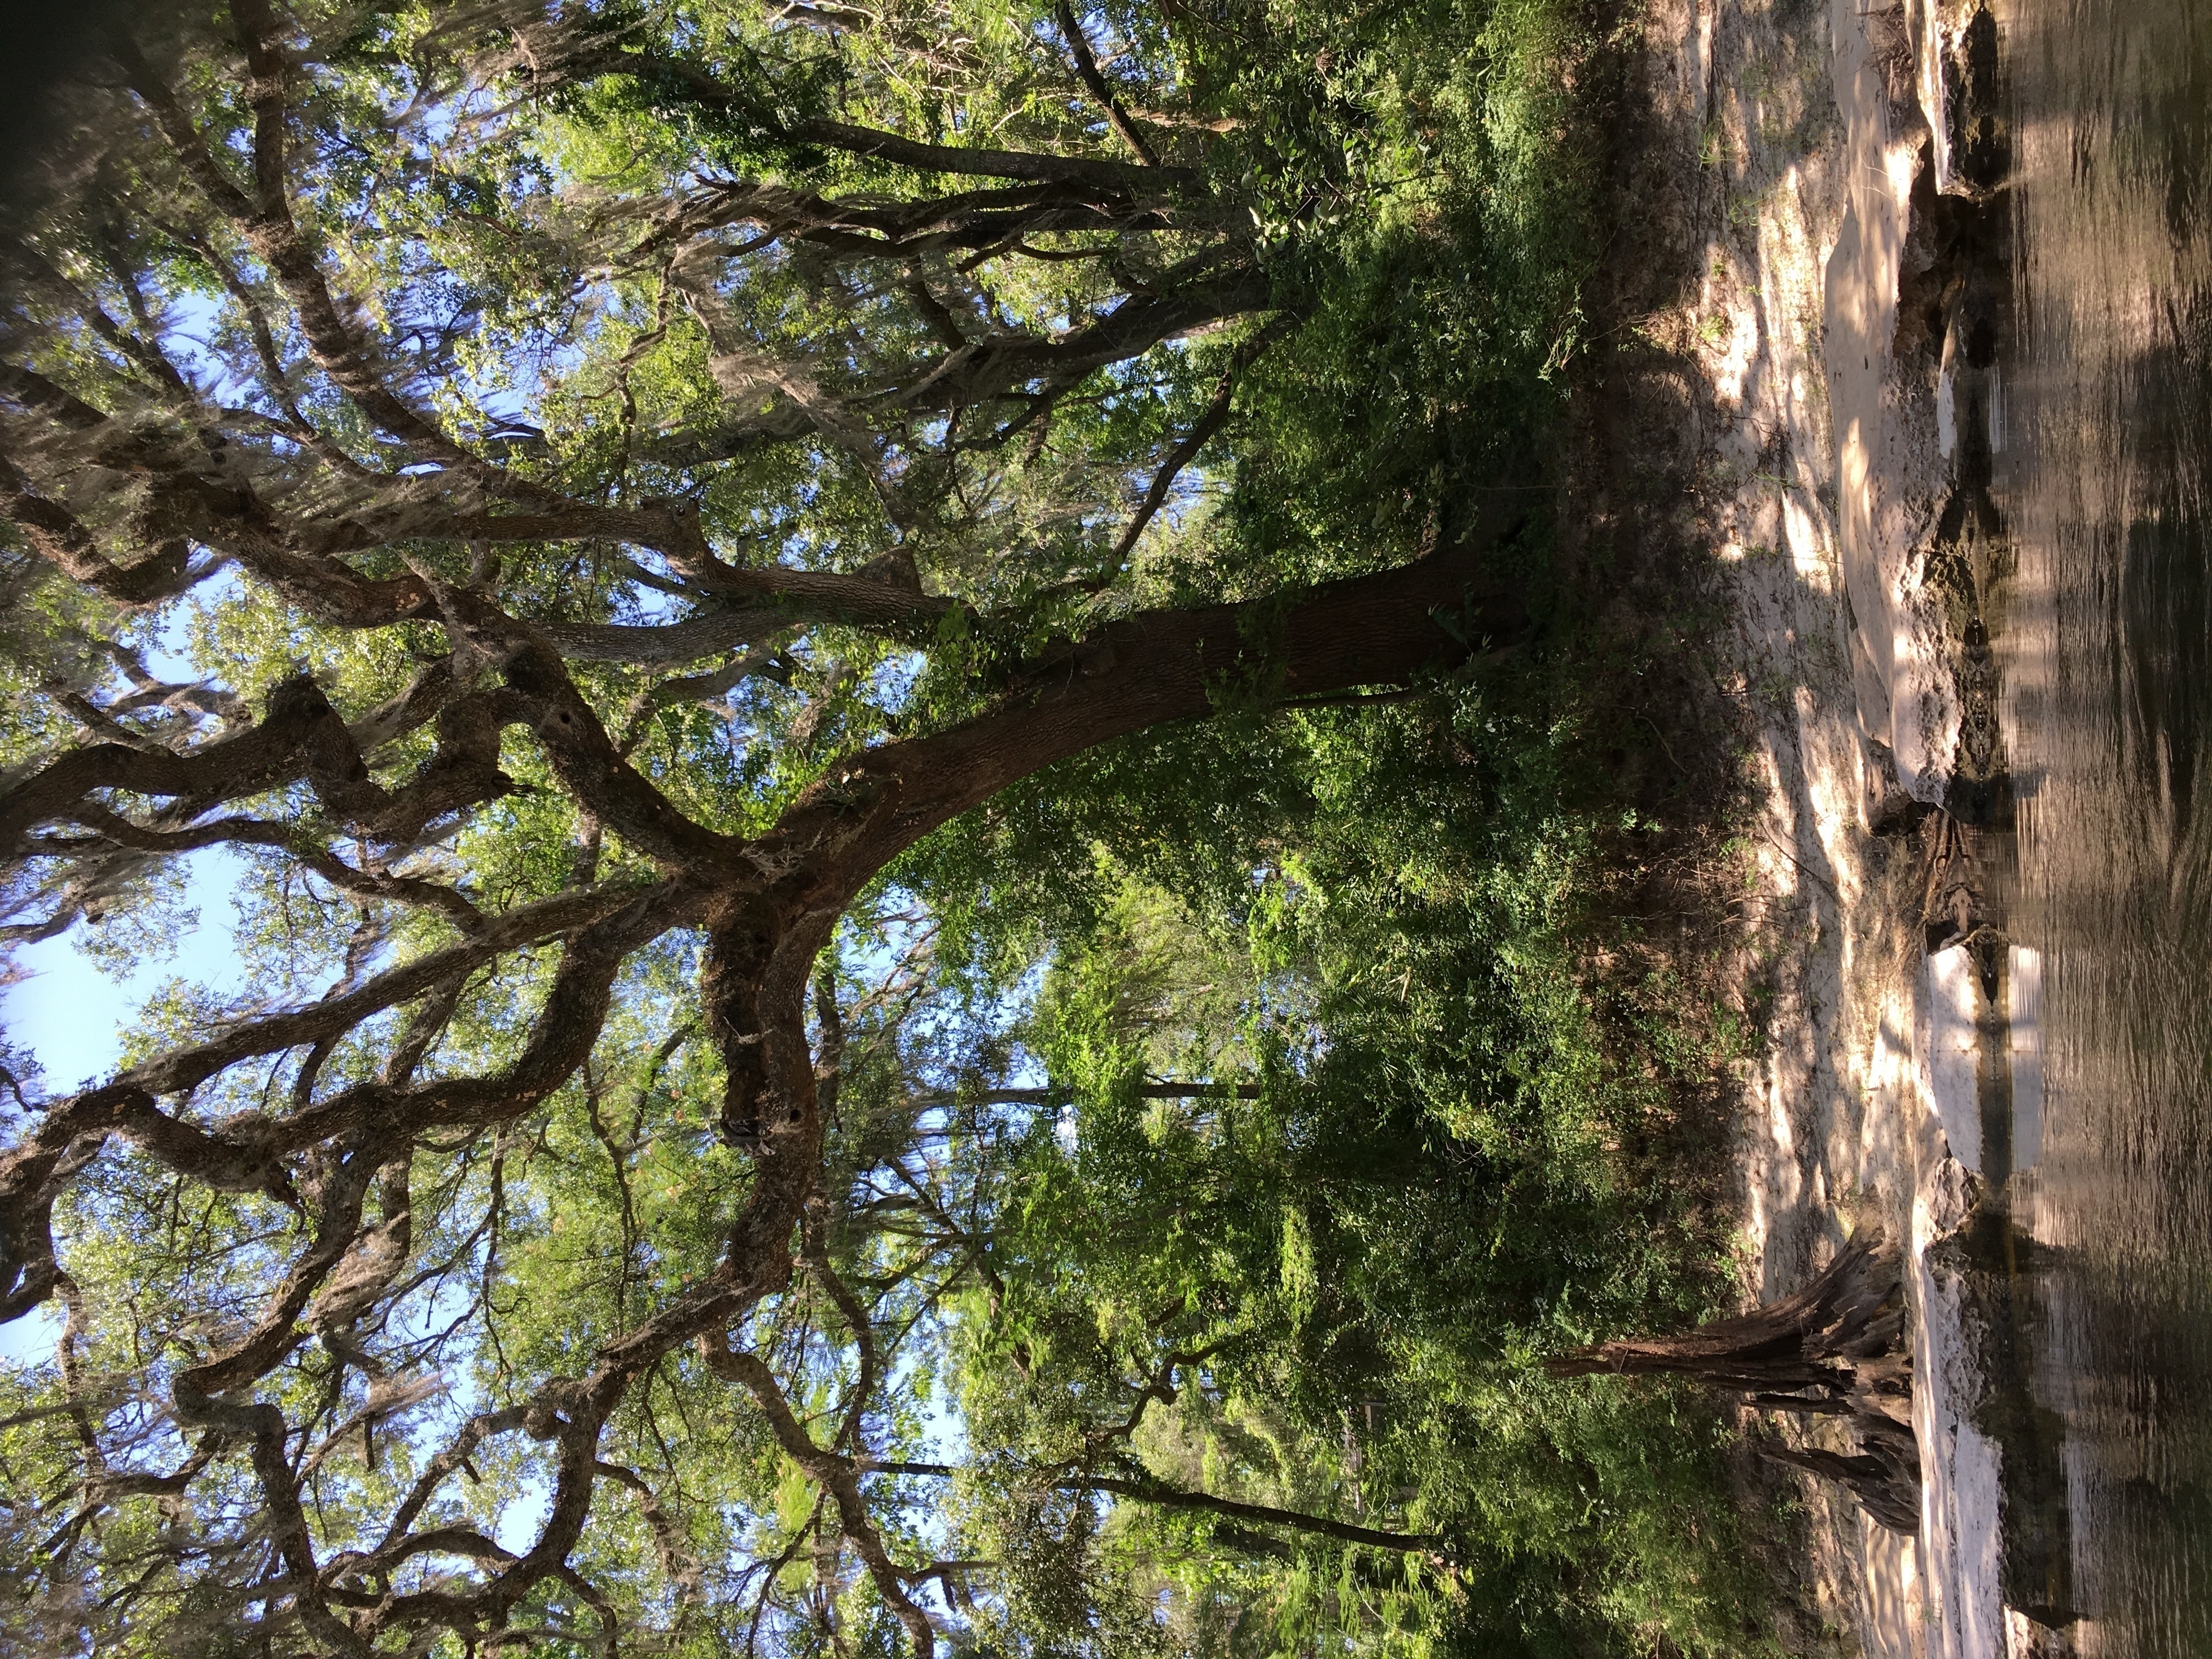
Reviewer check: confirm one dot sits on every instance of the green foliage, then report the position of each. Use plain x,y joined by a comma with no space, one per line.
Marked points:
1442,274
1454,1165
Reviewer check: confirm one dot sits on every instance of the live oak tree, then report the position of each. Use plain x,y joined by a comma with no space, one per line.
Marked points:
563,498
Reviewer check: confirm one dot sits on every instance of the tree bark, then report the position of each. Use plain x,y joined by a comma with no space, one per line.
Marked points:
1145,671
1165,1495
1831,1349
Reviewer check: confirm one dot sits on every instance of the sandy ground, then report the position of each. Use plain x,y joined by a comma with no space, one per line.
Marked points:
1820,475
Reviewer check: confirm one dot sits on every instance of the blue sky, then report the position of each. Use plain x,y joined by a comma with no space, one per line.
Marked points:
70,1013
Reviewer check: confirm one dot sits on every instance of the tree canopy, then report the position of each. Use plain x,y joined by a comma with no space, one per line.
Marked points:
905,977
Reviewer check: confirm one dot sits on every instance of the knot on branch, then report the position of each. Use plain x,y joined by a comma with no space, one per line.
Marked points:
543,1418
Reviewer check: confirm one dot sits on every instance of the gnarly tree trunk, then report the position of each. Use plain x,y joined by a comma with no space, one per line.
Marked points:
1822,1337
1834,1348
767,905
1147,670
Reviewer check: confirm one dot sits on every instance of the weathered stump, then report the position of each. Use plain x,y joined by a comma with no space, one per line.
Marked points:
1835,1348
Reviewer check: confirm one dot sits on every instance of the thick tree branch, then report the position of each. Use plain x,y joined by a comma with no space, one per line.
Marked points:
1163,1496
1078,46
683,81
